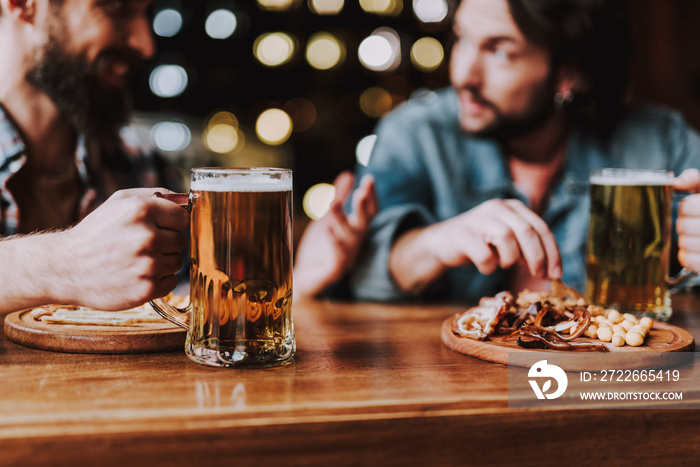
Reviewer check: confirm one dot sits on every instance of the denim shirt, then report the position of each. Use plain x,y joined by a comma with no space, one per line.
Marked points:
427,170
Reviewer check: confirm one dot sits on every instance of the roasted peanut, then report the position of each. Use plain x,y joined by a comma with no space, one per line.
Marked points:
630,317
591,331
604,333
618,328
634,338
647,322
618,339
627,324
614,316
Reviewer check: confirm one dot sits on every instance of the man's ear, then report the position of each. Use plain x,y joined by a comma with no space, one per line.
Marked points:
570,81
21,10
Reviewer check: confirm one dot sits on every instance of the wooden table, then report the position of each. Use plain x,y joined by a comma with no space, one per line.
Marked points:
370,385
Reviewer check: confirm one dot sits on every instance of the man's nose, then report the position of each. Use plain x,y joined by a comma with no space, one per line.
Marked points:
140,38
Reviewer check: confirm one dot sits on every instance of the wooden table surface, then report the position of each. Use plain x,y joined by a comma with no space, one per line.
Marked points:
370,385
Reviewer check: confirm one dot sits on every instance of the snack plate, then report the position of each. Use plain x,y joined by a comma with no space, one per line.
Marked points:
663,338
22,328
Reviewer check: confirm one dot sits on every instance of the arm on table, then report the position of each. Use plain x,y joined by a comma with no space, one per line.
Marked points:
497,233
123,254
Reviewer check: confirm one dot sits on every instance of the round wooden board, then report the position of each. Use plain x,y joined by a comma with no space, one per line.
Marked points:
662,338
22,329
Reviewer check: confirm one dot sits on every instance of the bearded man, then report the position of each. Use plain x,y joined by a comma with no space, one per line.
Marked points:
63,103
484,186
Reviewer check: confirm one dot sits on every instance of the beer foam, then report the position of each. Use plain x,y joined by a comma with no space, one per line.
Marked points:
650,178
249,184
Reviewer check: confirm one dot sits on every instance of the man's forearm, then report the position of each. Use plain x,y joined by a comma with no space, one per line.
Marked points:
412,263
29,271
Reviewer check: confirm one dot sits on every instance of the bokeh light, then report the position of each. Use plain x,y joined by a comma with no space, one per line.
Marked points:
326,7
273,127
167,23
381,51
277,5
168,80
170,136
274,49
223,117
430,11
376,102
221,24
221,138
382,7
363,150
222,134
317,200
427,54
325,51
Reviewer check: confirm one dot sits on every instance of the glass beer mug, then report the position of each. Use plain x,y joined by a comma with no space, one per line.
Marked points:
240,311
629,242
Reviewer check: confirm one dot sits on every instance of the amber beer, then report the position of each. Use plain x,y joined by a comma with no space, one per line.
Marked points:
629,239
241,267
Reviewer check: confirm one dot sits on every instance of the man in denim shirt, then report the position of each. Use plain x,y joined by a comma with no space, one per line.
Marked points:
484,187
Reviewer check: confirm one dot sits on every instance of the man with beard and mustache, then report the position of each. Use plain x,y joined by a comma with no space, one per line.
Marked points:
484,186
63,102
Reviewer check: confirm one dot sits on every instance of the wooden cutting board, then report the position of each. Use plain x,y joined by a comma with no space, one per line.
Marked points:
662,338
22,329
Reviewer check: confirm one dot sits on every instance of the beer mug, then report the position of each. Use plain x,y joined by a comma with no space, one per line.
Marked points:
240,311
629,242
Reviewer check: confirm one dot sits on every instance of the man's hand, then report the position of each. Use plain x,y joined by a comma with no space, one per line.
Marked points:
124,253
330,245
688,223
497,233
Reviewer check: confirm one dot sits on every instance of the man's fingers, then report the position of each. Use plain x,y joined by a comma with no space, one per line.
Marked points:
503,240
689,259
482,255
689,180
338,224
170,241
537,242
364,205
343,184
689,243
168,264
168,215
689,206
139,192
164,285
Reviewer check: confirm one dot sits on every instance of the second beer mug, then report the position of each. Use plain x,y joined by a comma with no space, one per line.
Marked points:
240,310
629,241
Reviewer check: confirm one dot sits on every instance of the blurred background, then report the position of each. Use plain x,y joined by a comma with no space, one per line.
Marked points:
302,83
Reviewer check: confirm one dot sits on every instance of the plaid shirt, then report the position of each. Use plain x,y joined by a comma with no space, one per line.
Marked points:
134,166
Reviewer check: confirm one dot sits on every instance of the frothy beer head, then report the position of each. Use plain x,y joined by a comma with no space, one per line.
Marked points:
248,183
631,177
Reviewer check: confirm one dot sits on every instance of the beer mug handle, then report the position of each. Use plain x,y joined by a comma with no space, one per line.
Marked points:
179,316
680,281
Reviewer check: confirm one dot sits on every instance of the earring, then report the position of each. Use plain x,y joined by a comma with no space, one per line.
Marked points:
565,97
